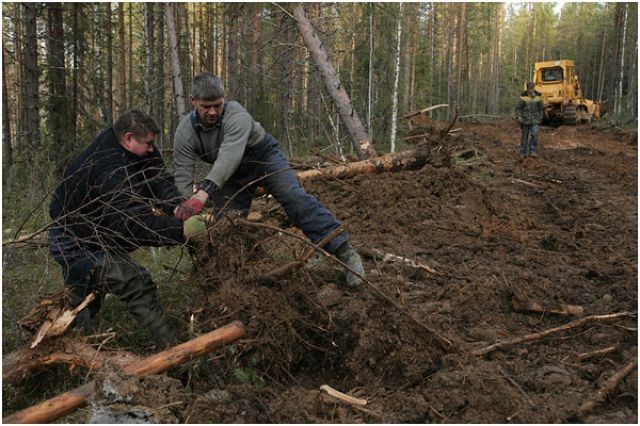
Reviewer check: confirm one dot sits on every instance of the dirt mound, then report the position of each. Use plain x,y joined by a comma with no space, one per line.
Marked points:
492,232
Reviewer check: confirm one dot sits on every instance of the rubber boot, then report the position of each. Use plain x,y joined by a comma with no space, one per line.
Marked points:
347,254
132,284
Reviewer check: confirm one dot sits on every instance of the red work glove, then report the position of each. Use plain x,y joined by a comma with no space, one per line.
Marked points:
189,208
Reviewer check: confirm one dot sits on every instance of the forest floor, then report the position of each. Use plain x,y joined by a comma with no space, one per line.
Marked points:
493,233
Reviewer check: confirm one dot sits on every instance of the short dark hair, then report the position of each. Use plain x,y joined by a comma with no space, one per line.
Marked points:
136,122
207,86
530,85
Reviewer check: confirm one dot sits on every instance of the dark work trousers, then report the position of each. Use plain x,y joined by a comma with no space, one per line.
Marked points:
87,271
264,164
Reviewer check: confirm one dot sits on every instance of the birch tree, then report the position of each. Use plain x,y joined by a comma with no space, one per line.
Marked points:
394,110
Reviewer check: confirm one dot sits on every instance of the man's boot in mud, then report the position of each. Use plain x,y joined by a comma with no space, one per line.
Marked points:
347,254
132,285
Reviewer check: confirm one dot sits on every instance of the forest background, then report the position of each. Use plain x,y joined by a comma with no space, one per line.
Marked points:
68,69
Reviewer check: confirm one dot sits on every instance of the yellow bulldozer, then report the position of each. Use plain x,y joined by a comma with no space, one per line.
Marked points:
562,96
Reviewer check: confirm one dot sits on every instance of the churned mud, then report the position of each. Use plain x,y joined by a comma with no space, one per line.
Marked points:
501,248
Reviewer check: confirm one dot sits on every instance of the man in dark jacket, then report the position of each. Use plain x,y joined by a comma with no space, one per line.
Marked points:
102,210
529,113
242,154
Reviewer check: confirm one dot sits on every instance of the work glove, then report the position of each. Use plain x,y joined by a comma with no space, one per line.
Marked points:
195,229
189,208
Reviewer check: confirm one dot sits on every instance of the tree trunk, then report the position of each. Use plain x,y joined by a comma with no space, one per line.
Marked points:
7,148
30,125
601,73
370,79
394,108
57,103
160,94
149,50
461,49
56,407
78,60
109,65
412,159
122,75
176,77
619,93
285,85
361,142
232,51
130,50
615,57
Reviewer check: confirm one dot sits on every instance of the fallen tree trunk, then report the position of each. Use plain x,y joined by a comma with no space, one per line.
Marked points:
56,407
360,139
405,160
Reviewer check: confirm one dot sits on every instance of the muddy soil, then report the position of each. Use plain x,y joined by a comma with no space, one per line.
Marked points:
493,233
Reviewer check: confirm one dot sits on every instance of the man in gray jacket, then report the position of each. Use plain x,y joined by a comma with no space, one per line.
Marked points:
243,155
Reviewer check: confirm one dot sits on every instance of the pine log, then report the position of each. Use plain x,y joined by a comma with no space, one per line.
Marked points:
56,407
405,160
360,139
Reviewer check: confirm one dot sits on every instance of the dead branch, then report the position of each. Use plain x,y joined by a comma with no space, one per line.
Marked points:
545,333
607,387
389,257
343,396
56,407
28,239
446,131
596,353
422,111
520,305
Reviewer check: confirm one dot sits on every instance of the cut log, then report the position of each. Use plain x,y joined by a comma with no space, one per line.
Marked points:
56,407
405,160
